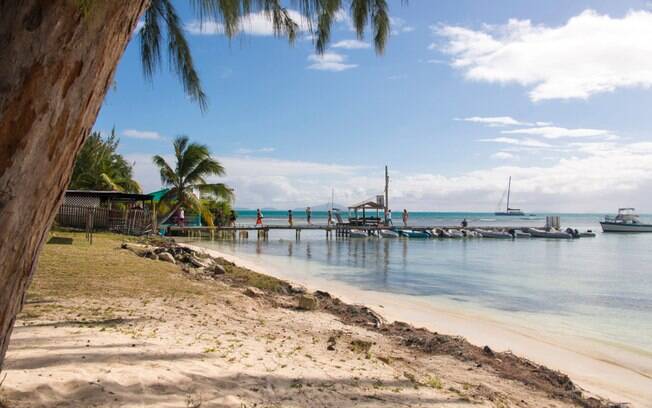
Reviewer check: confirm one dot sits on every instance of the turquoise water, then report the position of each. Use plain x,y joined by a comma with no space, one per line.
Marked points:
591,288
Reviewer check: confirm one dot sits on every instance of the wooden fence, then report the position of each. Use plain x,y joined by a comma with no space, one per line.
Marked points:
132,221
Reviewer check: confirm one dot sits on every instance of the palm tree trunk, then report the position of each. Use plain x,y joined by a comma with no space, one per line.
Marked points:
57,63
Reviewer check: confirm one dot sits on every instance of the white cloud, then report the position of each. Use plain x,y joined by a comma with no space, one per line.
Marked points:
399,25
590,54
503,156
599,177
258,24
142,134
329,61
352,44
553,132
494,121
256,150
517,142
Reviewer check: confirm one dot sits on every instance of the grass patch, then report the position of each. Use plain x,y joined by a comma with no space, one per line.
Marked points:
105,270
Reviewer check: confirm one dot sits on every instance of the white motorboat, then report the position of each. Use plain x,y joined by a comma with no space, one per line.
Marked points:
388,233
358,234
626,221
470,234
521,234
442,233
494,234
552,233
587,234
455,233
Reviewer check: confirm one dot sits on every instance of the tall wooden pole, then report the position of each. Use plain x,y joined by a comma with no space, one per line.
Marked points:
386,194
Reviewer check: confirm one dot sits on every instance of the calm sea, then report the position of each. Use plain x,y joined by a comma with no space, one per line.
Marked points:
598,289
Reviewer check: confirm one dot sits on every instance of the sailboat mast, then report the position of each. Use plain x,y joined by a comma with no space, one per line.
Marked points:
509,190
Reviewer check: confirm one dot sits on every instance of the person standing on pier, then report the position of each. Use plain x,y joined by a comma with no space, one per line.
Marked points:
465,223
182,217
232,219
309,215
259,217
330,217
389,218
290,222
406,216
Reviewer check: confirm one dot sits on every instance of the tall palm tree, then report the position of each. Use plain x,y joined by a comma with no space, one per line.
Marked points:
193,165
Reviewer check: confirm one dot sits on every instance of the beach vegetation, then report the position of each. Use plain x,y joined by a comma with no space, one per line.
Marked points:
100,167
188,175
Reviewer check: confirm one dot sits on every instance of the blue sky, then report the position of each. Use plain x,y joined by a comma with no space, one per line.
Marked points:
554,93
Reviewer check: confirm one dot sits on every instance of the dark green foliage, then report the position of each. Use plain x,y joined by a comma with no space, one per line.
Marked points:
193,164
100,167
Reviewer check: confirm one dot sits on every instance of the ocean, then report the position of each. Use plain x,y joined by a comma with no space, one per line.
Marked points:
590,293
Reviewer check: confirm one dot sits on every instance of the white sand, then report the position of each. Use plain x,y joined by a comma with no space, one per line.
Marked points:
231,351
614,373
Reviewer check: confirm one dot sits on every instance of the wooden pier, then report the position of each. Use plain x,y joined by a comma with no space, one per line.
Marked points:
241,232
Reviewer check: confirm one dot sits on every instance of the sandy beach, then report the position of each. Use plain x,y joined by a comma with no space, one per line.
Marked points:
618,374
130,331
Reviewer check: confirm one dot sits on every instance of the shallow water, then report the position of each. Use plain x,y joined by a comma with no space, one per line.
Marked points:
597,289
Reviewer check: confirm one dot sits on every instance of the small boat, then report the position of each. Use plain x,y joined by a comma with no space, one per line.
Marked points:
441,233
455,233
388,233
470,234
587,234
414,234
509,211
494,234
552,233
358,234
521,234
626,221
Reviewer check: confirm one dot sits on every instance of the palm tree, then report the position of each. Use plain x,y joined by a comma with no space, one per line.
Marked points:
100,167
51,94
193,165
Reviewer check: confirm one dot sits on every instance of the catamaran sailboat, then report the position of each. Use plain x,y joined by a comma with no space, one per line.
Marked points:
509,211
626,221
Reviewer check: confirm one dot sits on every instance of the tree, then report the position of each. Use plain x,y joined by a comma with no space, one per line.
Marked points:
58,61
100,167
193,164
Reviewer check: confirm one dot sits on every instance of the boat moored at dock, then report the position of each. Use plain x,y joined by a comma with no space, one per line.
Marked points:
494,234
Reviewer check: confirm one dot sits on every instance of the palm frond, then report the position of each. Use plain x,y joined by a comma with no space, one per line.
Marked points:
206,167
150,40
218,190
168,176
230,14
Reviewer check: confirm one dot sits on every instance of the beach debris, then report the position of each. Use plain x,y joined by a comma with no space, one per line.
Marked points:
297,289
308,302
217,269
198,263
361,346
151,255
331,342
166,257
253,292
488,351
